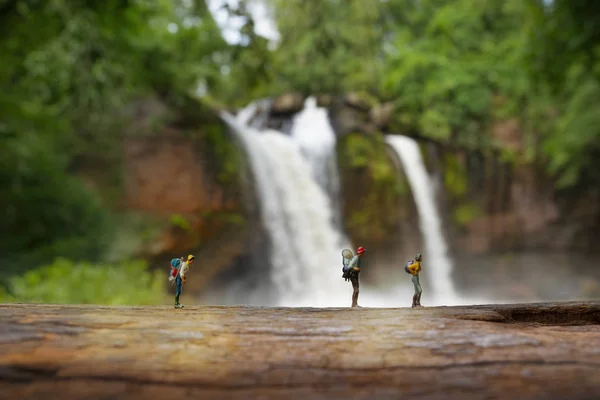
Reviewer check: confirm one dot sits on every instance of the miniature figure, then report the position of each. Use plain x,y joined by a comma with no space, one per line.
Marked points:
179,267
413,268
351,270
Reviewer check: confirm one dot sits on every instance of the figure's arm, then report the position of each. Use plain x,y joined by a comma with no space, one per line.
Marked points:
353,264
182,270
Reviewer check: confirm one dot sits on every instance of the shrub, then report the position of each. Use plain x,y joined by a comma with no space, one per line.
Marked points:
68,282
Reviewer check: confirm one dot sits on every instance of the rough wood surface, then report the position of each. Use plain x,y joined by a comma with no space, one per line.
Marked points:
527,351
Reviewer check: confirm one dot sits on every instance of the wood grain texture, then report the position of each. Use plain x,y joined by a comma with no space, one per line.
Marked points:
523,351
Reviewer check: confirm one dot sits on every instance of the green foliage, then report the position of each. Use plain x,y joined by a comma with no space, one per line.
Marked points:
455,176
573,147
361,222
561,35
70,71
235,219
357,151
180,221
44,211
327,46
247,67
225,153
227,217
68,282
465,213
456,67
374,187
369,152
456,186
447,61
562,49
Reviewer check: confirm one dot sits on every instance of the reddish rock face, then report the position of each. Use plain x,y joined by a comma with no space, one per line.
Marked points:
171,175
523,220
166,175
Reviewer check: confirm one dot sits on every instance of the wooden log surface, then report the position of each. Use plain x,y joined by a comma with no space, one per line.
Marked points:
522,351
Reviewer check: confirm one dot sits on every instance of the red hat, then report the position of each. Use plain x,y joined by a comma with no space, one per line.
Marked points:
360,250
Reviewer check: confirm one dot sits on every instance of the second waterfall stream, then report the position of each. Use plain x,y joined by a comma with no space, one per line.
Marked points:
435,253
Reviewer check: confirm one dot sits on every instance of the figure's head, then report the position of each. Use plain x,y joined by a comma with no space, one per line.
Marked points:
191,259
360,251
418,257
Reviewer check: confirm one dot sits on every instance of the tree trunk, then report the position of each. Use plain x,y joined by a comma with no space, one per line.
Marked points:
532,351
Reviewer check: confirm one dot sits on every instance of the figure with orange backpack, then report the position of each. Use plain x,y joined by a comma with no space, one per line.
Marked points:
413,267
351,270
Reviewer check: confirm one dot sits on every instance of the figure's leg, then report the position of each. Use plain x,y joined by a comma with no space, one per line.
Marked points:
178,292
415,299
418,291
355,286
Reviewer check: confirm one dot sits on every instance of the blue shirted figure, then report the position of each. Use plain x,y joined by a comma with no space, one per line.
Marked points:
179,267
175,277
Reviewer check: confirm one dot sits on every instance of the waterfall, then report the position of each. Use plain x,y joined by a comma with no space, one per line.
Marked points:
315,136
435,255
292,175
296,211
255,114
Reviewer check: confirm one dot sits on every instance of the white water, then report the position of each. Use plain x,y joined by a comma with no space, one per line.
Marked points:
312,131
315,136
305,255
435,256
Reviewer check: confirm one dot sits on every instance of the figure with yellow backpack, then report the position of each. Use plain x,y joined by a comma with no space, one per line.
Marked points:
413,268
179,267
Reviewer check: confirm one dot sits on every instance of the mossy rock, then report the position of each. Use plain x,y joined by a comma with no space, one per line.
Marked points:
224,153
193,112
455,176
361,100
372,187
465,213
402,121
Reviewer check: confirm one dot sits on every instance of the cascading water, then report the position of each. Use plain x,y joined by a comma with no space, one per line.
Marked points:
435,254
315,136
312,131
305,254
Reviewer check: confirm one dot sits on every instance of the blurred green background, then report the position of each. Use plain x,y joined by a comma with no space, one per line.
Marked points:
72,69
